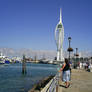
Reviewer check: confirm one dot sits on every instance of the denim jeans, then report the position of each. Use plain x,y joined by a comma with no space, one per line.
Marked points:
66,75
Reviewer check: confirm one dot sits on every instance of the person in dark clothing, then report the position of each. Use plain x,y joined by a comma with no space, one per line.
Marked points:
66,73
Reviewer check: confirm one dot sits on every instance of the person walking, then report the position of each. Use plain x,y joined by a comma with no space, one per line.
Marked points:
66,73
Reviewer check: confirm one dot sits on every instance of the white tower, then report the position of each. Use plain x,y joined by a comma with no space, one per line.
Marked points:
59,38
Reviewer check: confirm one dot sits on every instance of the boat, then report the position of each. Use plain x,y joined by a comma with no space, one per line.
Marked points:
2,58
2,61
7,62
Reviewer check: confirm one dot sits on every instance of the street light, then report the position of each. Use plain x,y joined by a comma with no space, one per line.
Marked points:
76,63
69,39
69,49
77,53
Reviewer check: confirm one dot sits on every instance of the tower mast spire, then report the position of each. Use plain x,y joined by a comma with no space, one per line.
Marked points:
60,15
59,37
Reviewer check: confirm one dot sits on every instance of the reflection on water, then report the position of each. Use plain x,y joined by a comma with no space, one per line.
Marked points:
12,80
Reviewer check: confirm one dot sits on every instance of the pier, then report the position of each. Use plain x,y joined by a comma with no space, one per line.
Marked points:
81,81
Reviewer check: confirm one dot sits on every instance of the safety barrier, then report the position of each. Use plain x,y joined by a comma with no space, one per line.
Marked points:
52,85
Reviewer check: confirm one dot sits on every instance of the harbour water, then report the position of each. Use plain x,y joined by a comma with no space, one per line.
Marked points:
12,80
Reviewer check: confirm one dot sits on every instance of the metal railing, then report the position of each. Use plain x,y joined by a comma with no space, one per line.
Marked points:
53,85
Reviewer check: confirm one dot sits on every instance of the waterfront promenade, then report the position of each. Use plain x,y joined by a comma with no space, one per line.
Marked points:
81,81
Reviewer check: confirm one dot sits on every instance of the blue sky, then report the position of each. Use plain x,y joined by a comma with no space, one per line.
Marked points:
31,23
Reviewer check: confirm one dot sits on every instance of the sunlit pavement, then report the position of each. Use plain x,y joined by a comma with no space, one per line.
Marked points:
81,81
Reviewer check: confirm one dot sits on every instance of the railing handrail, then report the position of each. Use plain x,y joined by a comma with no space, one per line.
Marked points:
53,84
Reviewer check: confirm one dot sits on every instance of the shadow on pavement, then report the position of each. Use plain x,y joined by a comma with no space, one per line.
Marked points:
62,86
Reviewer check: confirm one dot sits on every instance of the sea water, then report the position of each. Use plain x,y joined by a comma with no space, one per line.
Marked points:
12,79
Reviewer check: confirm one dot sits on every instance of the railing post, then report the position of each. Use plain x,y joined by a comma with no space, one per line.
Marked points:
56,88
53,87
57,82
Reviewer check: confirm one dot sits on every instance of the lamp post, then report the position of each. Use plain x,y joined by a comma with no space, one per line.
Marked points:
75,66
69,49
77,53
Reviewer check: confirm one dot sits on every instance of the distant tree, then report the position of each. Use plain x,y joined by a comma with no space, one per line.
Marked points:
86,59
55,58
73,59
81,59
91,59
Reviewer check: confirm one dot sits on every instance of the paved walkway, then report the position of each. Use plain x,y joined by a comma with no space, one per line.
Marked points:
81,81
